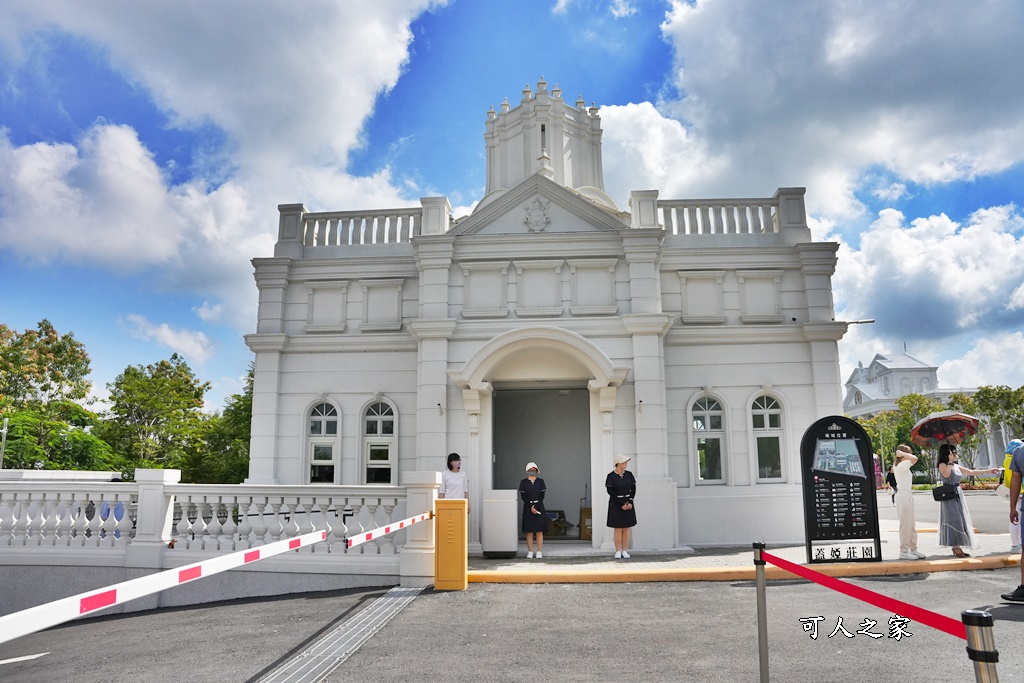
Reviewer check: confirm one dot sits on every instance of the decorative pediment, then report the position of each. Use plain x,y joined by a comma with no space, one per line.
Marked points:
538,205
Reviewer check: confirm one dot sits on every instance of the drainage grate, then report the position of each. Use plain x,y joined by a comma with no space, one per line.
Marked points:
327,654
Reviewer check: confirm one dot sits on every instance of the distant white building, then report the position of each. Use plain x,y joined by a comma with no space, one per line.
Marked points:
698,336
874,389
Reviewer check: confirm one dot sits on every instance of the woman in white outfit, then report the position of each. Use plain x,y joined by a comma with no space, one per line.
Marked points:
904,500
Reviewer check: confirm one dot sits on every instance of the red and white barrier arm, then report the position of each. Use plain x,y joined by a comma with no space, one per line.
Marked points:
385,530
52,613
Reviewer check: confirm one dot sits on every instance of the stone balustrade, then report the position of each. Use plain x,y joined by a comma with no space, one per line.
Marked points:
346,228
211,518
230,518
66,514
67,532
719,216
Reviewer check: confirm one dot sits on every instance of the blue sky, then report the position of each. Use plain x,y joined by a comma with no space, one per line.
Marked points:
144,148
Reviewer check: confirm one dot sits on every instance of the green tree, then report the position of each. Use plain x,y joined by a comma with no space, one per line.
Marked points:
912,408
155,416
1004,407
59,438
40,366
969,448
225,460
885,432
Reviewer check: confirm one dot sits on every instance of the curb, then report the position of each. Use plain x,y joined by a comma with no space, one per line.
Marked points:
845,569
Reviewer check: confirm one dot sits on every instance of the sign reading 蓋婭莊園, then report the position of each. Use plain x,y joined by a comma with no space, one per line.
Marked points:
840,510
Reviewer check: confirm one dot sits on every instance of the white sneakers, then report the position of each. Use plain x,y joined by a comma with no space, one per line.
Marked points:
625,555
529,555
618,554
540,555
1014,548
919,554
912,555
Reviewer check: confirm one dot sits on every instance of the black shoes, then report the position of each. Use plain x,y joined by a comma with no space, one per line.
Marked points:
1015,596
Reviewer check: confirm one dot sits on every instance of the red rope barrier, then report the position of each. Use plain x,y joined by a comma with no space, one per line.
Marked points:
904,609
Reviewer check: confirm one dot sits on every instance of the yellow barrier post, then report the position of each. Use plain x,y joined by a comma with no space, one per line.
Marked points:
451,544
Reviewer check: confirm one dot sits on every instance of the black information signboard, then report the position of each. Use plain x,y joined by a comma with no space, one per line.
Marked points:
840,509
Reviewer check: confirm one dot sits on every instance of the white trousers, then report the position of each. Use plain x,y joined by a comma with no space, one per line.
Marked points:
908,525
1015,528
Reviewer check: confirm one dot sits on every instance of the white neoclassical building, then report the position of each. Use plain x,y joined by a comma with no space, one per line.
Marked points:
550,325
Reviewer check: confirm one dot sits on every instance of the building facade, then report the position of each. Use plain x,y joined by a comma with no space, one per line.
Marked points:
697,336
874,389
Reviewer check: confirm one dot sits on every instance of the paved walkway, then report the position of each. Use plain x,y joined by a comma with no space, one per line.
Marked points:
577,562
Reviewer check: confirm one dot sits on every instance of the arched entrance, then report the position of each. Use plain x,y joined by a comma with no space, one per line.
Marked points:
548,360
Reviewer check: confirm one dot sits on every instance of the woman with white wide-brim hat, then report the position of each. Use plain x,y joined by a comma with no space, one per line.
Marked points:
621,487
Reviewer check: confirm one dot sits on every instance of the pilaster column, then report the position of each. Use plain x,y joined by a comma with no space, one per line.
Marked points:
265,405
155,511
416,561
792,216
431,390
436,215
650,465
818,264
290,226
642,248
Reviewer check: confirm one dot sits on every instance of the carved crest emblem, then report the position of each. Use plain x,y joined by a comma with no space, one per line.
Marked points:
537,215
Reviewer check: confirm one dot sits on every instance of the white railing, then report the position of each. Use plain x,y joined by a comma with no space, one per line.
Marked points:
719,216
229,518
344,228
211,518
67,514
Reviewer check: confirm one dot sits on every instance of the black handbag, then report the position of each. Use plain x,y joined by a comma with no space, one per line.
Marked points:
944,492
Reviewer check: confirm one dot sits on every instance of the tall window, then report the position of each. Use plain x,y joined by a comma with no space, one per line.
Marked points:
766,418
379,444
322,435
709,433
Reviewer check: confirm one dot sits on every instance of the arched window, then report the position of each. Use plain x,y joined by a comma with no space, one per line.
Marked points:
379,444
766,420
322,435
709,435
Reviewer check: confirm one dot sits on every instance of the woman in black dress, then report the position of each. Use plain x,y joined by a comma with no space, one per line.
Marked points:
535,522
621,516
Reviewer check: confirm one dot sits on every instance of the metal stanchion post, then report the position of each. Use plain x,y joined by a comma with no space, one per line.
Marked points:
762,611
981,645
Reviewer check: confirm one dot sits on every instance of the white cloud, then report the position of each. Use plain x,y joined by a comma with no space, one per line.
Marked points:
814,94
292,87
191,345
937,285
622,8
644,150
561,7
992,361
209,312
103,201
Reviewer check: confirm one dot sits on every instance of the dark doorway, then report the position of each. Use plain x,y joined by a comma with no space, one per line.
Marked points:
550,427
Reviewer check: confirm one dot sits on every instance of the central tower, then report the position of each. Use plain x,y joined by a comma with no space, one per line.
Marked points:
545,135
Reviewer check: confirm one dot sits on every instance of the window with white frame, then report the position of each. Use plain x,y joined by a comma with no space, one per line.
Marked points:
766,420
709,436
379,444
322,436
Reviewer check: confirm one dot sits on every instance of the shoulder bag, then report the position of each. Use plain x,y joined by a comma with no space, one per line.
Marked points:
944,492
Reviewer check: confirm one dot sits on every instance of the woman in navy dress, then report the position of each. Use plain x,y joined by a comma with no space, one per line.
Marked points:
621,516
535,522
